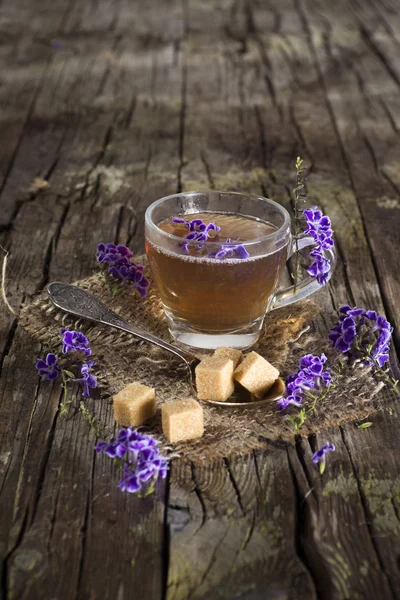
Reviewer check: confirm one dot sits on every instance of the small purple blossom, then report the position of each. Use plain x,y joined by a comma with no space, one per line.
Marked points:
49,367
179,221
88,380
130,481
198,232
318,226
112,254
74,341
319,456
118,262
320,267
144,463
310,376
362,334
238,251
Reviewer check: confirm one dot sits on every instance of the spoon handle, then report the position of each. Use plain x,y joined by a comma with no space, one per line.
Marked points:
76,301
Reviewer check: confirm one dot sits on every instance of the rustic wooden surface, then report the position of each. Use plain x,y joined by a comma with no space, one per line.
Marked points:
115,103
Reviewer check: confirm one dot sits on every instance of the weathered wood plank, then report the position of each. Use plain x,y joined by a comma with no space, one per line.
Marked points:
232,531
135,101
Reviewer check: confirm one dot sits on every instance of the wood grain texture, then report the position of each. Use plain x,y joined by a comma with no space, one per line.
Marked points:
117,103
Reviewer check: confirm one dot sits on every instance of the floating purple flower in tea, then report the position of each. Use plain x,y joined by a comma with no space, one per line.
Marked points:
49,367
198,232
201,232
117,262
320,456
74,341
229,251
143,463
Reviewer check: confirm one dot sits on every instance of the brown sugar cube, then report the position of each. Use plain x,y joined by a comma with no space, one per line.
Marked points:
232,353
214,378
256,374
182,420
134,405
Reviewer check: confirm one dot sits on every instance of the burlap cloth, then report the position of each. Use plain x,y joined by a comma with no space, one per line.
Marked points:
121,359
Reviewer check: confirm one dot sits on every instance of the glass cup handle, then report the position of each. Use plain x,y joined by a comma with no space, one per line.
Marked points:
307,286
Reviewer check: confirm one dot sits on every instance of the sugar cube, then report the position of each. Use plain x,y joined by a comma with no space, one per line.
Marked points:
256,374
232,353
134,405
182,420
214,378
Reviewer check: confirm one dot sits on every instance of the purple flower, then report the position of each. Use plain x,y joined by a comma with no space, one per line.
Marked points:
319,455
112,254
238,251
74,341
130,481
88,380
198,231
320,267
318,226
363,334
179,221
49,367
144,463
131,274
119,264
310,376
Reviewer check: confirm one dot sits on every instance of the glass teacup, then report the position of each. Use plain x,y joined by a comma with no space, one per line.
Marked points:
217,284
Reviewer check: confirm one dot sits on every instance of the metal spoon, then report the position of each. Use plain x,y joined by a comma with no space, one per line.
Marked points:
76,301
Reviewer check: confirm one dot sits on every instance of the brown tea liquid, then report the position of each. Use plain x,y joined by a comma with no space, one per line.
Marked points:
215,295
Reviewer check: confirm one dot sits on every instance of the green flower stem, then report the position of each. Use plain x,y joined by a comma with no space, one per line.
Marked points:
298,197
301,418
381,373
393,383
318,398
94,424
64,402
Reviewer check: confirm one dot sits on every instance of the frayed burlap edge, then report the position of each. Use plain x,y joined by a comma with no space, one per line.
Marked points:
121,359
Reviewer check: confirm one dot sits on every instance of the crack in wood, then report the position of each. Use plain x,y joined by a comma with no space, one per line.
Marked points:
166,538
234,484
366,513
8,343
198,494
300,526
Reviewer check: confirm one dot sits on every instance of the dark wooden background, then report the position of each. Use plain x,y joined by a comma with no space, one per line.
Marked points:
115,103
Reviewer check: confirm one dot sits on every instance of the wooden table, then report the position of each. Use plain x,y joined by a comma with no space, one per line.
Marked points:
111,104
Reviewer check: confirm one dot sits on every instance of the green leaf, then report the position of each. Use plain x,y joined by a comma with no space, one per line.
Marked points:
69,373
365,425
